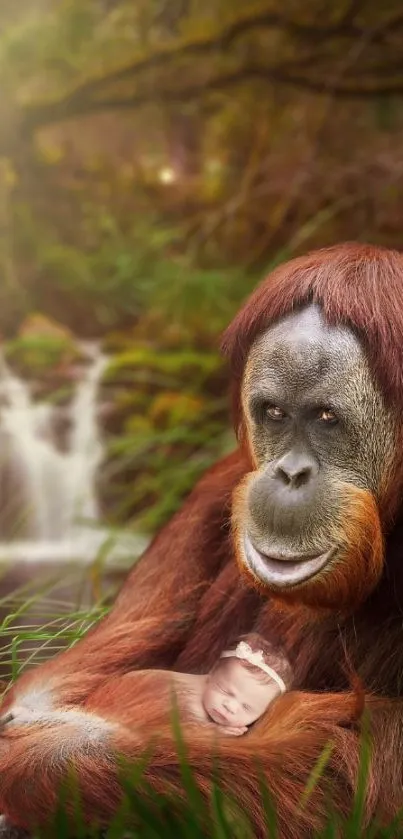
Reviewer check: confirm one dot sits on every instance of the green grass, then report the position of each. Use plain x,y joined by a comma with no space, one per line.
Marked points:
38,625
48,614
147,814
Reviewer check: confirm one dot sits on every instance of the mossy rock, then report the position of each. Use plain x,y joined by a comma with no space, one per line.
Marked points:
37,355
39,325
42,346
55,395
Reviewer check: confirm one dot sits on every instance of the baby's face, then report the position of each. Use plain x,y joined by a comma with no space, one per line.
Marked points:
235,697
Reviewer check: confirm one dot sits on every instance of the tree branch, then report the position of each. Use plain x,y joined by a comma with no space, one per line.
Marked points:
58,112
73,101
92,96
354,7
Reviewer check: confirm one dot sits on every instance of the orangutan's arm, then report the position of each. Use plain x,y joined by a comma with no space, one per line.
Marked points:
35,758
155,610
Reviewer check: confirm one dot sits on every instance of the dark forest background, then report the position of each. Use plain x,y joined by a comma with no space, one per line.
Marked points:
157,158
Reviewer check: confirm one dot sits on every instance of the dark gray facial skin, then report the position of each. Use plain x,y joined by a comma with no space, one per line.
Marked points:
315,419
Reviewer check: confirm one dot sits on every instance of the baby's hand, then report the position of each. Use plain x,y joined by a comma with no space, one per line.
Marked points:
236,731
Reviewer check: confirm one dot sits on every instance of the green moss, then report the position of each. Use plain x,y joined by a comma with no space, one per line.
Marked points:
38,354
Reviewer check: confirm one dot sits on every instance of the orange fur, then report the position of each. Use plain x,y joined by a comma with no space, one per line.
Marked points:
285,743
185,600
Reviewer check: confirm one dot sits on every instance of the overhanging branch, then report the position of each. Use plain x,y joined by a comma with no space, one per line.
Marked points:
82,98
61,111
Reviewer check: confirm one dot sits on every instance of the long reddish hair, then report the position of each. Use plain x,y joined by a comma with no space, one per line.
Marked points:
357,285
185,601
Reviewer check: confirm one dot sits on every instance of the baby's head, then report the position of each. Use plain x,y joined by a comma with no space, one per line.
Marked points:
238,690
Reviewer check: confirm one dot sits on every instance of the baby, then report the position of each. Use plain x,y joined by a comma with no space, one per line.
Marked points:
231,697
240,686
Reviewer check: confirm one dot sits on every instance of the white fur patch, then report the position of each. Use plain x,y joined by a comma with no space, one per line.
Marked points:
36,707
38,699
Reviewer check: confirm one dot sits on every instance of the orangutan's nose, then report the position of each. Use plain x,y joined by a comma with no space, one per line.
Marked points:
295,470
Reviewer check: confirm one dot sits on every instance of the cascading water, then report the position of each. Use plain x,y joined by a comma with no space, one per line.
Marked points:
53,488
50,522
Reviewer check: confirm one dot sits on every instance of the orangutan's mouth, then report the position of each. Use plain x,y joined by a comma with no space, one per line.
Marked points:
285,570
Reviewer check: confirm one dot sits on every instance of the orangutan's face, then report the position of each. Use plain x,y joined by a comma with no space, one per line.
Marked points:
322,443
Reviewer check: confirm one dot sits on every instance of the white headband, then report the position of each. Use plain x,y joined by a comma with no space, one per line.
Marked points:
245,652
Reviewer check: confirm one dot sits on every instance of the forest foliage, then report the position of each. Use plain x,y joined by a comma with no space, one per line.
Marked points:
157,158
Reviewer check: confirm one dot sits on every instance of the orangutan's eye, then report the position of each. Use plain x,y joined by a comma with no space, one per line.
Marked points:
327,416
274,413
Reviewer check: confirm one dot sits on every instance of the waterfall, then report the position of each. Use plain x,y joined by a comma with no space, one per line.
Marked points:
48,491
